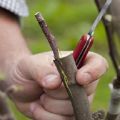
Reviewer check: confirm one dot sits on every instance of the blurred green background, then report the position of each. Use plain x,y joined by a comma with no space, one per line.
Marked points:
68,20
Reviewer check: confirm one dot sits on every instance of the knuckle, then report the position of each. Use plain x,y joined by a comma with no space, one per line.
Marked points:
102,61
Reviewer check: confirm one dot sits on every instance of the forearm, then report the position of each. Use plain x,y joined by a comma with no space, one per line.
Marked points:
12,44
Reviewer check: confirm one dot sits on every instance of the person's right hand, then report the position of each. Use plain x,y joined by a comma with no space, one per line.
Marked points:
40,93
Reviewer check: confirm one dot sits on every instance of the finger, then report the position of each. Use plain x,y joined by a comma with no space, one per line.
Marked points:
39,113
61,107
94,67
25,108
52,81
90,88
41,69
60,93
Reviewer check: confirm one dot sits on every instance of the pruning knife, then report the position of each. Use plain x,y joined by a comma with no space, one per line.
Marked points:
86,41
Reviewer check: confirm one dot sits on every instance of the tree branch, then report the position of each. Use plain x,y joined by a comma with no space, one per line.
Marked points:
99,115
51,39
5,113
67,69
113,111
109,33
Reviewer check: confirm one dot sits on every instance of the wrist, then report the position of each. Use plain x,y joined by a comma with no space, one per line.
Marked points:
12,43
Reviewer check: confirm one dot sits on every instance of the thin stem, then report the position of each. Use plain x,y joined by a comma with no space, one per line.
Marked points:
50,37
116,84
5,113
109,32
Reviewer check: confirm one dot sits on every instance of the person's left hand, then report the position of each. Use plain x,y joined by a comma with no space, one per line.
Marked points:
50,100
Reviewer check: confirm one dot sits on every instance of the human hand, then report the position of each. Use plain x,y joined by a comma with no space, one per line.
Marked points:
41,94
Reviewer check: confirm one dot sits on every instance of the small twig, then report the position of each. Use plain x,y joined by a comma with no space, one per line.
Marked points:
4,109
51,39
113,111
109,32
5,113
7,88
3,85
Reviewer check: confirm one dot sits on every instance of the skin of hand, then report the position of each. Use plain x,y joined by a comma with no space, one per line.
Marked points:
42,94
38,91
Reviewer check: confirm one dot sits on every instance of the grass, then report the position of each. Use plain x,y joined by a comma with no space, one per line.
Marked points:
68,20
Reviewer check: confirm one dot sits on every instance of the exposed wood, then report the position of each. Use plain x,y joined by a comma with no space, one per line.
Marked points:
67,69
76,92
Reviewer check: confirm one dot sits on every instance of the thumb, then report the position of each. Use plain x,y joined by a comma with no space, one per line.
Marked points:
41,69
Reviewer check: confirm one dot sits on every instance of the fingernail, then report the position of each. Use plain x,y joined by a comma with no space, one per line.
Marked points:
49,79
32,107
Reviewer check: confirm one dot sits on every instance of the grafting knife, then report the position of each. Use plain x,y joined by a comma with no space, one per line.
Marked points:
86,40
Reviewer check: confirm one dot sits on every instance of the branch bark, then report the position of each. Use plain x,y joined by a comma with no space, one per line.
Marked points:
99,115
76,92
109,32
5,113
114,111
51,39
67,69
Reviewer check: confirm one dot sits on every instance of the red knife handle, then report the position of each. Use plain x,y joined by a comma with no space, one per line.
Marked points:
82,49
